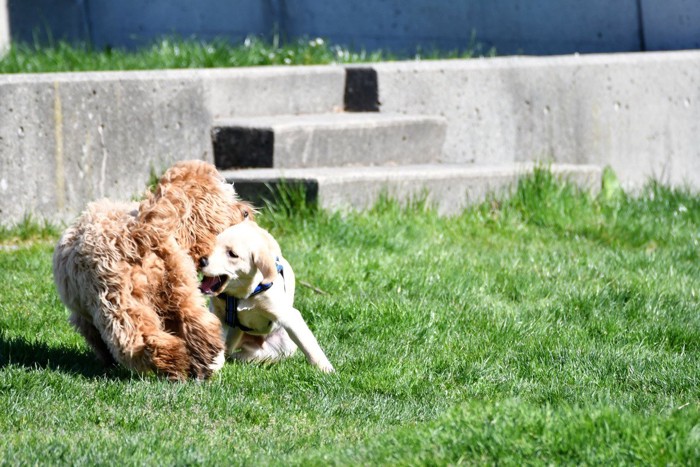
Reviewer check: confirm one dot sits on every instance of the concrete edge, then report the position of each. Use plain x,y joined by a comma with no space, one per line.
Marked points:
327,120
359,188
173,74
529,61
428,171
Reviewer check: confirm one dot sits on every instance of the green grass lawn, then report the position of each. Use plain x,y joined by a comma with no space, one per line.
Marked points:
180,53
544,327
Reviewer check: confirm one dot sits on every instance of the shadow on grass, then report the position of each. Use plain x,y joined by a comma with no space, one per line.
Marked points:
38,355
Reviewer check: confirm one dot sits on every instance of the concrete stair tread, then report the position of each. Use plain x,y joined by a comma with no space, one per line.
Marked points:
450,187
428,171
330,119
329,139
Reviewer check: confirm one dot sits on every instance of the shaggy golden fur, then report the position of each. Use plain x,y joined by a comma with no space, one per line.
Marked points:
127,273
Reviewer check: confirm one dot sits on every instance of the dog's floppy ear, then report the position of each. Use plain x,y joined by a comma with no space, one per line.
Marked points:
265,262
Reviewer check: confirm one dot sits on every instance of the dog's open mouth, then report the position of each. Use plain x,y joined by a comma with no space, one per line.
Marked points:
213,285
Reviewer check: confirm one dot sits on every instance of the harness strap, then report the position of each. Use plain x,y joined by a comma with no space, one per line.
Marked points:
232,313
232,302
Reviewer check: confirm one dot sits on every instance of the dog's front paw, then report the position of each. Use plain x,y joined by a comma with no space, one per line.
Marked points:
202,370
325,367
218,362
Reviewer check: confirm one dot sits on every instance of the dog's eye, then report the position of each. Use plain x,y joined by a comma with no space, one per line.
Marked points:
231,254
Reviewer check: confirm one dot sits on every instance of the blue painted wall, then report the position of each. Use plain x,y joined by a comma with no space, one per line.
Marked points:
509,26
671,24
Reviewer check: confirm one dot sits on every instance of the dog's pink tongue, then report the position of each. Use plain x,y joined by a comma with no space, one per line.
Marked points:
208,284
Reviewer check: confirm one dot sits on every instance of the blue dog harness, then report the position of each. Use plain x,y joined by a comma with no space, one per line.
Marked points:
232,302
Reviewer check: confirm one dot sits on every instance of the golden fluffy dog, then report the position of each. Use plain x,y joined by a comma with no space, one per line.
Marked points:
253,296
127,273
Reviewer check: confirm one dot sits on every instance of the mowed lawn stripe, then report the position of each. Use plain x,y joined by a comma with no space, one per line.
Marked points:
547,326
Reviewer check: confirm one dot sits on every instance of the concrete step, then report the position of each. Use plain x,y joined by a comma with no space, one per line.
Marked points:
327,140
449,187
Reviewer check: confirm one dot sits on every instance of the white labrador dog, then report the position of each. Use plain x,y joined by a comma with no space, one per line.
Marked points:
252,289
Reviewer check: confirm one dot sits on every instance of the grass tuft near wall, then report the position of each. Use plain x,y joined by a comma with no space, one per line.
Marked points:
544,327
183,53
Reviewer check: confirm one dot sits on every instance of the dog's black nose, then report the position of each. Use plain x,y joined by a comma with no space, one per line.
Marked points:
203,262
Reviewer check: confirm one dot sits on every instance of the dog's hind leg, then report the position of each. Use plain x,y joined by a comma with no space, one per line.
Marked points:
137,340
272,347
168,354
147,346
93,338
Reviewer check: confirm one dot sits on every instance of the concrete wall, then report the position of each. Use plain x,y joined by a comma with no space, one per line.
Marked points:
639,113
66,139
69,138
510,26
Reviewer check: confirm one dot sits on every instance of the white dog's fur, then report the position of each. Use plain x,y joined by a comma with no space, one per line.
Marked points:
244,257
